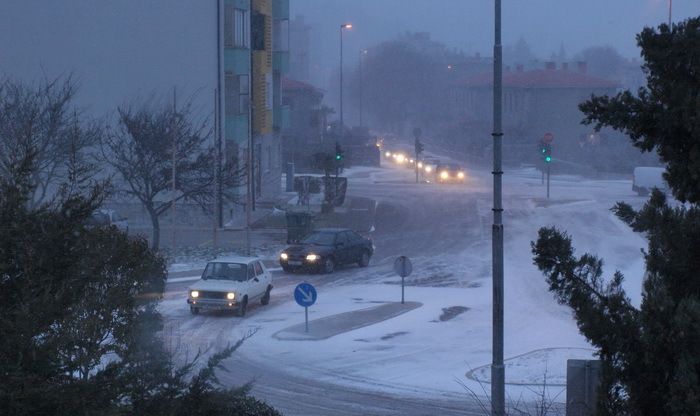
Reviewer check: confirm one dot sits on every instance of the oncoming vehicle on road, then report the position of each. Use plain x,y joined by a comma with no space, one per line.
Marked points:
325,249
231,284
450,174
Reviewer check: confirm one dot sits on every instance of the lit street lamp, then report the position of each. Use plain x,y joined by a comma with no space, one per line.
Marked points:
363,52
343,26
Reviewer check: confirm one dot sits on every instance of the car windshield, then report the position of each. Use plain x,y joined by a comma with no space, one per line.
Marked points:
226,271
321,239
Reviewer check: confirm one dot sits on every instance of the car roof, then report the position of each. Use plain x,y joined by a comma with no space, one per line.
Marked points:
234,259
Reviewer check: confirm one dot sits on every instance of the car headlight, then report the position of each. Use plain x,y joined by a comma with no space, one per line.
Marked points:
387,154
312,257
400,158
444,175
420,165
284,256
230,296
428,169
410,160
194,293
460,175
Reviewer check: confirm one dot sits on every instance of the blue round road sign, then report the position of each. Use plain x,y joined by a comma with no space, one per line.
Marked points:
305,294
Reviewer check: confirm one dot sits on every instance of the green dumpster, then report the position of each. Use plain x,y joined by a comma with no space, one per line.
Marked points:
299,225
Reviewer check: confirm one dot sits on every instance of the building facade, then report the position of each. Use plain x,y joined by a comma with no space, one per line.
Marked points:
254,53
535,102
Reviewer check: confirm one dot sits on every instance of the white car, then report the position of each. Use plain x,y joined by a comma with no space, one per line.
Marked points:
231,284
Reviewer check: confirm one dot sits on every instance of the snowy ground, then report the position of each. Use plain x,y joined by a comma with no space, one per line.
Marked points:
417,353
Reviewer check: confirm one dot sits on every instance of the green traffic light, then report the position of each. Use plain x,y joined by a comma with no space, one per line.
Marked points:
548,159
338,157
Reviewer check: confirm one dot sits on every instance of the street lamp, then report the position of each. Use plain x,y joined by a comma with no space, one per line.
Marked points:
343,26
363,52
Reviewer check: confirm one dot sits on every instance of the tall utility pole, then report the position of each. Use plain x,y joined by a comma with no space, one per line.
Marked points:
174,163
497,370
249,153
670,6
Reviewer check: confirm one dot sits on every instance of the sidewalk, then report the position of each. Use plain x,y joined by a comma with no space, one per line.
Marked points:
333,325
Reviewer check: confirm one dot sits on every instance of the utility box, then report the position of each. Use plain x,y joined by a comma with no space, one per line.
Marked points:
582,381
299,225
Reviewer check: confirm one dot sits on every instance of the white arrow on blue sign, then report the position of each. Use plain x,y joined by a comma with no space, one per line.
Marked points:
305,294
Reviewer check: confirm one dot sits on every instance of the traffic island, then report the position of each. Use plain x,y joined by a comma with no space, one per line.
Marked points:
329,326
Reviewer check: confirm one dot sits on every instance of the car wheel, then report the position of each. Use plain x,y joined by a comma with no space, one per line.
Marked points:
364,259
266,297
244,306
328,265
194,311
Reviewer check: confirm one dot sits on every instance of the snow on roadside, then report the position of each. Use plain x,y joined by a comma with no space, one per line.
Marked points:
417,353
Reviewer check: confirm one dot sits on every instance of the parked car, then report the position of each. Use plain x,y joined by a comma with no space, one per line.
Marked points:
231,284
646,178
106,217
327,248
450,174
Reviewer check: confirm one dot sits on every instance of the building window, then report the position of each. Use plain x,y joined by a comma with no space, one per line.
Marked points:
243,94
280,35
236,27
236,100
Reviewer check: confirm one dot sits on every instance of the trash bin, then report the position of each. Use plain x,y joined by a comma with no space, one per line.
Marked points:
299,225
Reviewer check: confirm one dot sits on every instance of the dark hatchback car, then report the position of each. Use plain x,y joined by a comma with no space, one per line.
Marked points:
325,249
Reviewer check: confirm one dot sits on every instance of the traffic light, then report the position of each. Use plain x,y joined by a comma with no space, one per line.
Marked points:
338,152
546,152
418,147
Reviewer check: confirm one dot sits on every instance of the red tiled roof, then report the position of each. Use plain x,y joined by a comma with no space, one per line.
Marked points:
540,78
292,84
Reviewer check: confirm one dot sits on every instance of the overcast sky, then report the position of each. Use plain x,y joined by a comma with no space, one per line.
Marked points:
120,49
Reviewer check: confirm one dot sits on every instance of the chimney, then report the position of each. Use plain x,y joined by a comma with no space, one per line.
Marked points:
519,68
565,66
582,66
550,66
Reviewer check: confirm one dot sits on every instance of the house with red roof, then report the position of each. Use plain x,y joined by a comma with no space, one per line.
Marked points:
535,102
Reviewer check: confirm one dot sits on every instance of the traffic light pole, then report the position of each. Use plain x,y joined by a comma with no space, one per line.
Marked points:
548,165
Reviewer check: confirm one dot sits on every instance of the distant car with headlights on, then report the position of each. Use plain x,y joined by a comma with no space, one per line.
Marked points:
231,284
450,174
325,249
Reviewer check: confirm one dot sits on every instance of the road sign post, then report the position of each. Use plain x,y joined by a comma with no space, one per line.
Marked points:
305,295
403,267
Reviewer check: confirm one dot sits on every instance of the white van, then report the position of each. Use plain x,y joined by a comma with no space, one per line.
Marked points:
646,178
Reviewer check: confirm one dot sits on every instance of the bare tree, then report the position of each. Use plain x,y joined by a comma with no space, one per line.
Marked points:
146,143
41,120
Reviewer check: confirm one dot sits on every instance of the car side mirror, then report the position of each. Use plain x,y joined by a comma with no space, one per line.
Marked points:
256,279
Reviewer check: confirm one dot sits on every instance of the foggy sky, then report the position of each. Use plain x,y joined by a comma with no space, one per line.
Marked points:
128,48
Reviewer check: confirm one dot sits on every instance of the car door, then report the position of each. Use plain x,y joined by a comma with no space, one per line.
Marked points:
356,248
343,248
260,281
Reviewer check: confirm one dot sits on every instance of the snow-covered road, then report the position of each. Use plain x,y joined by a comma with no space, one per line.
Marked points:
430,354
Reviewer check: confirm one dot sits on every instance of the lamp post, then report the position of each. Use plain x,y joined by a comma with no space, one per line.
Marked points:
497,369
363,52
343,26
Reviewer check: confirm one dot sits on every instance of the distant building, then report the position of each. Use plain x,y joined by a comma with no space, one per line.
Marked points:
300,51
307,121
534,102
254,55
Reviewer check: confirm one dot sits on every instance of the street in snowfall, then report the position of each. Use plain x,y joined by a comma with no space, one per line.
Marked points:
428,358
349,207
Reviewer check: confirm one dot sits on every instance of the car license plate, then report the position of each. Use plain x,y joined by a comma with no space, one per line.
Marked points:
294,263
